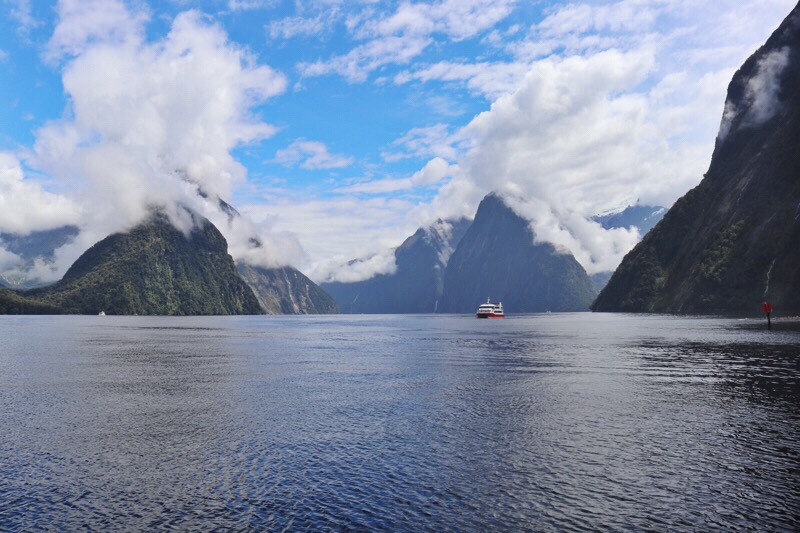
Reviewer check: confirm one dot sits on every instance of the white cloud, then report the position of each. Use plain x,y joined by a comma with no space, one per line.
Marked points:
153,124
344,270
491,80
311,155
401,36
83,23
247,5
379,186
760,101
336,230
359,62
535,146
431,141
25,206
22,12
602,103
623,16
8,260
290,27
433,172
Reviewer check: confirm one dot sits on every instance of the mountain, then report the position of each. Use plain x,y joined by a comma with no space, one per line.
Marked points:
12,303
641,217
732,241
36,245
282,290
498,259
152,270
416,286
286,290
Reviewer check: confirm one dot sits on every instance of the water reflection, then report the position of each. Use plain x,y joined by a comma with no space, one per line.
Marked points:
542,422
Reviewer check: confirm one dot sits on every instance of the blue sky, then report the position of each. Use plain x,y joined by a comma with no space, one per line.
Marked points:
337,128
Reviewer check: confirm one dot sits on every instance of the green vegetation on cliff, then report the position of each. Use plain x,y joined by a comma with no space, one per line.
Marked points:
152,270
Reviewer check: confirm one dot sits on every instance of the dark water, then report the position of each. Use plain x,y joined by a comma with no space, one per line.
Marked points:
569,421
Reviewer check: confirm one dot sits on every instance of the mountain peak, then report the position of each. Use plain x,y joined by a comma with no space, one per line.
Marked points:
731,242
497,257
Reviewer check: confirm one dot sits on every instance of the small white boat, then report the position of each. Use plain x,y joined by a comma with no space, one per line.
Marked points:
490,310
101,313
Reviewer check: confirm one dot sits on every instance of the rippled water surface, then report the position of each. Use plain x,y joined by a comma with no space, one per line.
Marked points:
562,421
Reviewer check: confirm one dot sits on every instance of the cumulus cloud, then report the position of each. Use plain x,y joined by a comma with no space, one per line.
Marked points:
84,23
152,124
25,206
345,270
598,103
311,155
534,146
8,260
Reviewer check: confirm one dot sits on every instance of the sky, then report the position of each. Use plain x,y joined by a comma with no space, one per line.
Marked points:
337,128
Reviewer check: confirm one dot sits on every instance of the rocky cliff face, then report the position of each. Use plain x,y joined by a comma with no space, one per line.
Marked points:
732,241
286,291
152,270
417,285
498,259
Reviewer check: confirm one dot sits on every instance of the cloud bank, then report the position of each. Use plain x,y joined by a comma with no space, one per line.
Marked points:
149,125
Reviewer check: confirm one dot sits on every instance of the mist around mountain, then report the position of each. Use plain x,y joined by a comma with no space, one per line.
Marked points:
498,259
286,291
732,242
453,266
642,217
152,270
177,276
417,284
35,246
280,290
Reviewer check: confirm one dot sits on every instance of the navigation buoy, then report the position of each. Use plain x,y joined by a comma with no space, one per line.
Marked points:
766,307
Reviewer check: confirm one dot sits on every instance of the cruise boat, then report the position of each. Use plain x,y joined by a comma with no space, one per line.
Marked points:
490,310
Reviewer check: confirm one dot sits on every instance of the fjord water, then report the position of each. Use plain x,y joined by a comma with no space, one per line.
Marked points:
557,421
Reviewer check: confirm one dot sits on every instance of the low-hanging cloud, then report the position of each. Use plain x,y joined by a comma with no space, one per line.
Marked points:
25,206
761,99
152,125
573,140
343,270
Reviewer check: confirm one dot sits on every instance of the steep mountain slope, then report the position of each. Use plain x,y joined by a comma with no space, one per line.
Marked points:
153,270
498,259
416,286
732,241
286,291
282,290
